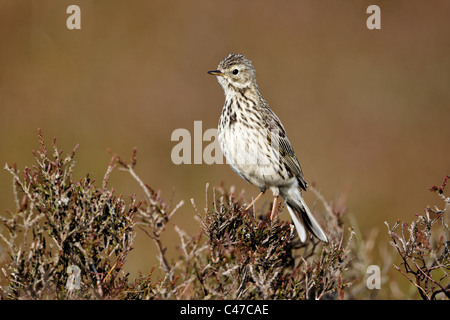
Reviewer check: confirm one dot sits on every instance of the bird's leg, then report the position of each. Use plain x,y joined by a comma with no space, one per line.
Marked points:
253,202
274,209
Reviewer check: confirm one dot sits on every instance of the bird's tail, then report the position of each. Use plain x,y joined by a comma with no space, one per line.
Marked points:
302,217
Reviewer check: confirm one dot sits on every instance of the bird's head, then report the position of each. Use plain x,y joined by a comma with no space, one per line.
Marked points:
236,72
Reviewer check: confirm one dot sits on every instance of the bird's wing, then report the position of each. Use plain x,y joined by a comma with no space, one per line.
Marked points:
278,139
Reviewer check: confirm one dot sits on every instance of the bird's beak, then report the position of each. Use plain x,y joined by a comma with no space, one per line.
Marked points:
216,73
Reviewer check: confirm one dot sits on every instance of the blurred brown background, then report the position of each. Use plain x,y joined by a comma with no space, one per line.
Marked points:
367,111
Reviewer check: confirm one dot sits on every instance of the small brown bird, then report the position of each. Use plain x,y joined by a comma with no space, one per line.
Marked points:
256,146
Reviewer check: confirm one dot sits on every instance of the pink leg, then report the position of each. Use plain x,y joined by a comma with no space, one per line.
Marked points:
274,207
253,202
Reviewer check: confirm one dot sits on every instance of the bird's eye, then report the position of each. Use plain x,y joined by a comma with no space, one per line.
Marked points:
235,71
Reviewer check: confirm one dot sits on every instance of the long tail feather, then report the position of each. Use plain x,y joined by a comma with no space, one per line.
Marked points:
302,217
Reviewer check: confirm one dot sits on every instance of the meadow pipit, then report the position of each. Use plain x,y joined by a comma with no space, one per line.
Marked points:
256,146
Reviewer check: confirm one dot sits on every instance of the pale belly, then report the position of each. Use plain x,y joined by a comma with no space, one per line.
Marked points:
247,152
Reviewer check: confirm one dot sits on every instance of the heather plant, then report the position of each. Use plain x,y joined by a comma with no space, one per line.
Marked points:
254,258
424,248
64,230
70,239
